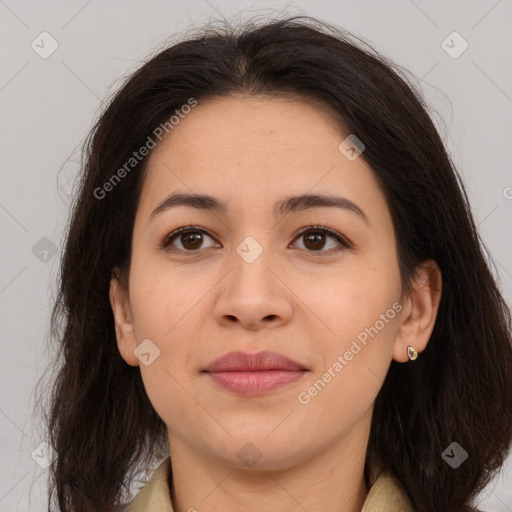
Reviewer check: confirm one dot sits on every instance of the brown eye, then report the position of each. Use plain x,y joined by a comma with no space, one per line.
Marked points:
191,241
314,241
187,239
320,239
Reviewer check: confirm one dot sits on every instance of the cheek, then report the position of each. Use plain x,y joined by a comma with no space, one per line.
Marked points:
354,301
166,309
361,308
353,367
162,296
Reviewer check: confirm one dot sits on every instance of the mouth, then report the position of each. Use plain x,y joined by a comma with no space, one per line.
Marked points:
254,374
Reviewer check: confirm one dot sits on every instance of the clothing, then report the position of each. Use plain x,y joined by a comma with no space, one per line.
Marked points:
385,495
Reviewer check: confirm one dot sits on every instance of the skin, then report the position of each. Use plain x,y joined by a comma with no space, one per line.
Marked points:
304,303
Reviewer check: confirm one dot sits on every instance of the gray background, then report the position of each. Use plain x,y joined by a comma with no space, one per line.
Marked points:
48,105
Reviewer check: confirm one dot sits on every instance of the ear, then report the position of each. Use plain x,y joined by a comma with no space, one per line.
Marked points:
420,307
125,332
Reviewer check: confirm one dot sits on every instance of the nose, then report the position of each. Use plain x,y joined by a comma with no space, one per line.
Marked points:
253,295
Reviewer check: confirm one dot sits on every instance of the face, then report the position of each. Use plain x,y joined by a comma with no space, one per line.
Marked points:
317,283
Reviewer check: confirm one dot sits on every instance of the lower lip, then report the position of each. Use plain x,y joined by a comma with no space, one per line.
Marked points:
257,382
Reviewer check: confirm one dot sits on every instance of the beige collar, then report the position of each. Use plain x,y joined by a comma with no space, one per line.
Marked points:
385,495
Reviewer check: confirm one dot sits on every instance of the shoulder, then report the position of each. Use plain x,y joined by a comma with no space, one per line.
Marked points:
117,508
386,493
154,495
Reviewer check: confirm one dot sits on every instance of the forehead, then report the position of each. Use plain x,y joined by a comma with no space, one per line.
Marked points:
265,125
256,148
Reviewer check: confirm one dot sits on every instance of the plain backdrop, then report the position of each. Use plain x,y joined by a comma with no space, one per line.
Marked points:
47,106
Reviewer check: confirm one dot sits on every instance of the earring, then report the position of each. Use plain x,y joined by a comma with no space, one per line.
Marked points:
411,353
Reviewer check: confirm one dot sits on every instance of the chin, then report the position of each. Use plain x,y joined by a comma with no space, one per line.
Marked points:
259,453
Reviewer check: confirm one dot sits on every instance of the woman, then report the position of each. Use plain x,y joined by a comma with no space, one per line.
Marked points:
273,281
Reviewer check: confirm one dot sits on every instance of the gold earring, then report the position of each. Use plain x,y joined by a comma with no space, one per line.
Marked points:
411,353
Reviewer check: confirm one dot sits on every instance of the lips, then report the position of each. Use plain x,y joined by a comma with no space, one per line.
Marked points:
254,374
261,361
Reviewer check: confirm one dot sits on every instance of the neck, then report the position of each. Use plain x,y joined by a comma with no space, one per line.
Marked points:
332,478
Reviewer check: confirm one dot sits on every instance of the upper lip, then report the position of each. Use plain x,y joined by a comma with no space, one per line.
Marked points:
260,361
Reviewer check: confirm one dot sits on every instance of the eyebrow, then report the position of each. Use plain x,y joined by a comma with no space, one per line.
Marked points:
290,204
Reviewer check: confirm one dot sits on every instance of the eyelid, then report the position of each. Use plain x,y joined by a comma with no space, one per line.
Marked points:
184,229
343,240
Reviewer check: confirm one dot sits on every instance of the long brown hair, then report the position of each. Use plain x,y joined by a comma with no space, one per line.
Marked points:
101,422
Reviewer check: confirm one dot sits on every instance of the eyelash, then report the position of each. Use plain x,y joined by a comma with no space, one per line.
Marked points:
343,241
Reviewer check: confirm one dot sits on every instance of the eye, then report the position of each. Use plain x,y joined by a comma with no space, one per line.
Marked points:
190,238
314,239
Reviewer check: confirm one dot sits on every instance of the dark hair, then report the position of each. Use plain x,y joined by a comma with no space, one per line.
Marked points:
101,422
